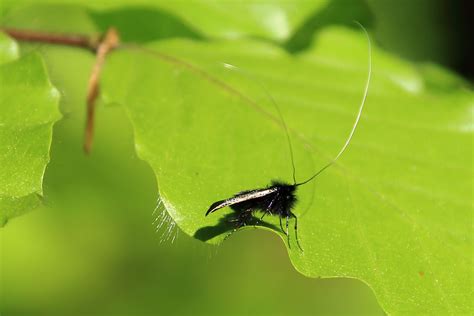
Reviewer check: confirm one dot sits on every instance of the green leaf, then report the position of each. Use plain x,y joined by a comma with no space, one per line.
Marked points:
394,211
99,220
29,108
8,49
276,20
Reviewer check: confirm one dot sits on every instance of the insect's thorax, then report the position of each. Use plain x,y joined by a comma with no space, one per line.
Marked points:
285,198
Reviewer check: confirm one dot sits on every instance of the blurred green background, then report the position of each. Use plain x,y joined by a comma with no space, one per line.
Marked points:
94,247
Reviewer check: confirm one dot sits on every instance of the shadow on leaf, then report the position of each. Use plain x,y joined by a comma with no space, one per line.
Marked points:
142,24
340,12
227,224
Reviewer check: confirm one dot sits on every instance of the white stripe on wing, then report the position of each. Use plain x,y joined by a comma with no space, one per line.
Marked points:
243,197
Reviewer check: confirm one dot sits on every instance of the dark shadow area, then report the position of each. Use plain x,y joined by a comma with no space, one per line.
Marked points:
338,12
461,17
227,224
437,31
144,24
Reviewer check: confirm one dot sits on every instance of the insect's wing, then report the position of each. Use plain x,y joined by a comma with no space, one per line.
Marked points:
217,205
239,198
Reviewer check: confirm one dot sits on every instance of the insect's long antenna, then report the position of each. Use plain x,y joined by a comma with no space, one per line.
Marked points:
364,98
282,120
174,60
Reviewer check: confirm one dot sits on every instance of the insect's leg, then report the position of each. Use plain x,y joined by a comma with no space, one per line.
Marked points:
244,217
240,220
267,210
281,226
287,234
296,231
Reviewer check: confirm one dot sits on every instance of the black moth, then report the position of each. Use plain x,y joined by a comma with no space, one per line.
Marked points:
279,198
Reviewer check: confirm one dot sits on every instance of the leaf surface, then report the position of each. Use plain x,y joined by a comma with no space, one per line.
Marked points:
28,110
275,20
396,209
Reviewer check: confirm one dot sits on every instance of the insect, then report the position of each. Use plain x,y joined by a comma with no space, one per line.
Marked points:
279,198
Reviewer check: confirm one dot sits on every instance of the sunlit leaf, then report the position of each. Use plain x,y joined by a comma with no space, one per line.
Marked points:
28,110
8,49
394,211
275,20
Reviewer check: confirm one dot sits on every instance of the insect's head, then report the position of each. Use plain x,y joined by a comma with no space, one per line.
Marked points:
283,186
286,192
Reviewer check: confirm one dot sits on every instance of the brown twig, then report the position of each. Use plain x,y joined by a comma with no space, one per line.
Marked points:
87,42
100,46
108,43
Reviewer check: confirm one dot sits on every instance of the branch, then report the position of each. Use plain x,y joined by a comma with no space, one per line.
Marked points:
100,46
109,42
86,42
